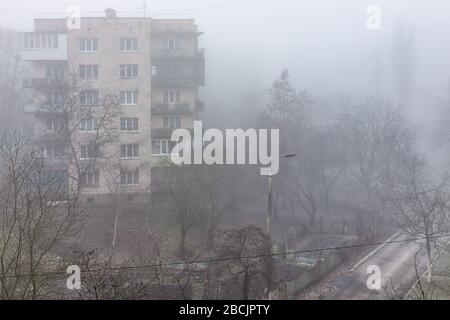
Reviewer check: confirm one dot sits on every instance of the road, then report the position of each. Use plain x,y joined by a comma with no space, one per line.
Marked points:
396,263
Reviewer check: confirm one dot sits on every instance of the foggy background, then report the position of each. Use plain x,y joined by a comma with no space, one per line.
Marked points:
324,43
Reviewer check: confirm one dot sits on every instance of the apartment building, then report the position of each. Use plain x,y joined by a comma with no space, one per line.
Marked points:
147,70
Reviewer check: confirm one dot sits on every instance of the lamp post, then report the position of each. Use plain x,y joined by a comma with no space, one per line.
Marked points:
269,196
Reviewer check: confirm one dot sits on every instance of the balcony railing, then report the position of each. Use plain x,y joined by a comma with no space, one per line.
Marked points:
41,82
165,133
171,108
167,80
178,108
162,133
42,107
178,73
178,54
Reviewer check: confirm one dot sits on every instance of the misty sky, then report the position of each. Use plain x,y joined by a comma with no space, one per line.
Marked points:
324,43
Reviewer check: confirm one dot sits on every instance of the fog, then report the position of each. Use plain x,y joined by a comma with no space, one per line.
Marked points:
324,43
363,145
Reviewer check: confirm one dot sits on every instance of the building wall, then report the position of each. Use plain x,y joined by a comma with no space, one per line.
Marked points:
153,36
109,58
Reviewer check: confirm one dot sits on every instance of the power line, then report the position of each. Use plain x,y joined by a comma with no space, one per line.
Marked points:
221,259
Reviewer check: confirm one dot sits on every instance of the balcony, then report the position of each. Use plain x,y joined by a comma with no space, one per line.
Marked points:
179,54
162,133
44,46
164,108
178,108
52,136
43,83
178,80
181,73
33,107
166,133
41,107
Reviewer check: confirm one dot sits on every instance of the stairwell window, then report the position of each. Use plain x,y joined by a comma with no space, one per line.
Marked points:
129,97
162,147
55,150
129,71
171,96
171,122
88,45
129,151
128,44
129,124
129,177
89,98
53,71
90,179
155,69
88,71
54,97
55,124
89,125
172,44
89,151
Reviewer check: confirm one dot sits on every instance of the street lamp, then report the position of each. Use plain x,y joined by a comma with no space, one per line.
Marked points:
269,196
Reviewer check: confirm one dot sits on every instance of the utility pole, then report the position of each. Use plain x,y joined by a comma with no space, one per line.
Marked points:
269,212
269,196
269,204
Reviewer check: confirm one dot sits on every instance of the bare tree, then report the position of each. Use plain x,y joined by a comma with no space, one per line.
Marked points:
330,159
186,203
421,206
106,279
288,110
377,142
419,290
81,107
250,266
37,215
120,192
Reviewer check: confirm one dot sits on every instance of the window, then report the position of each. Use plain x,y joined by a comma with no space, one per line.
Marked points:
88,45
54,98
154,70
162,146
54,71
55,150
90,179
129,97
171,96
129,124
89,151
129,151
172,44
128,44
55,124
89,71
129,177
89,125
40,40
171,122
128,71
89,97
